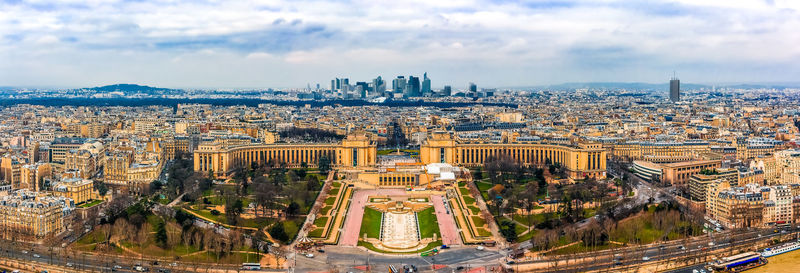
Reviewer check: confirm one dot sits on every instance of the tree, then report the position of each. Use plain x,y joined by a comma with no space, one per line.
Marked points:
293,208
161,234
101,188
278,233
324,164
508,229
233,207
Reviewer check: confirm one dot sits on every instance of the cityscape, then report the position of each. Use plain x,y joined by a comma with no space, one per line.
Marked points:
343,136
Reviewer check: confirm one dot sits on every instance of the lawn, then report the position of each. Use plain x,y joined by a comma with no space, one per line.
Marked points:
428,224
474,210
334,191
316,233
483,232
483,188
464,191
325,209
479,222
469,200
321,221
91,204
371,223
527,236
330,200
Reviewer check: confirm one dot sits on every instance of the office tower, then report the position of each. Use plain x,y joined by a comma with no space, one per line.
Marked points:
412,87
333,85
447,91
472,87
426,85
338,84
674,89
399,84
317,86
361,89
378,86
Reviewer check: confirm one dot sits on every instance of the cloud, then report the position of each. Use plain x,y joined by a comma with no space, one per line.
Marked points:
495,43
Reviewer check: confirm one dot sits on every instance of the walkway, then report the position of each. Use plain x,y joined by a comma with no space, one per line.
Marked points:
352,224
447,225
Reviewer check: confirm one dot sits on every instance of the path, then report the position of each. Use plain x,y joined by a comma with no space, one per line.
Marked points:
177,199
352,224
447,225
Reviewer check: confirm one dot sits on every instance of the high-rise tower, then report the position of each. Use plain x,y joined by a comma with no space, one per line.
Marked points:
674,89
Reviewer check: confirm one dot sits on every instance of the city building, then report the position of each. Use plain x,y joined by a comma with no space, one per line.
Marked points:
675,89
28,216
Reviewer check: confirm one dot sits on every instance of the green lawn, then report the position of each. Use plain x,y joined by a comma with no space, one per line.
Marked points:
91,204
527,236
321,221
428,224
479,222
464,191
316,233
469,200
474,210
330,200
371,223
483,232
324,210
483,188
334,191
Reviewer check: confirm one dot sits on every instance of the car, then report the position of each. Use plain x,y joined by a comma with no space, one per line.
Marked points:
710,243
309,255
36,256
702,271
24,252
321,250
173,264
116,266
69,264
511,262
681,247
645,258
445,247
480,248
695,271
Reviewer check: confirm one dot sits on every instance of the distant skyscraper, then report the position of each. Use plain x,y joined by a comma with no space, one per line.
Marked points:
447,91
412,87
399,84
426,85
361,89
378,86
674,89
472,87
333,85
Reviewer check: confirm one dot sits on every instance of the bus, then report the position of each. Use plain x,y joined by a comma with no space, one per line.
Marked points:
251,266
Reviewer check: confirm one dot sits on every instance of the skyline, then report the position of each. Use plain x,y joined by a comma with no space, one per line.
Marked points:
494,44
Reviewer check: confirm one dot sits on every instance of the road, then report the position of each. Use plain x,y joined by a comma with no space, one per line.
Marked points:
351,259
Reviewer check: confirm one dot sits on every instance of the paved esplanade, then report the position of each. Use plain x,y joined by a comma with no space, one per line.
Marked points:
352,224
447,225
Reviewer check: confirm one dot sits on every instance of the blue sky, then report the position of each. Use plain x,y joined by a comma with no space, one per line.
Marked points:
243,44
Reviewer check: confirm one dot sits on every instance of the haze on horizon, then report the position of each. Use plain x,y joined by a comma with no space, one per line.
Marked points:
230,44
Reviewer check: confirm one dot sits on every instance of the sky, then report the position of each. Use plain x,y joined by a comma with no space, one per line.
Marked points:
286,44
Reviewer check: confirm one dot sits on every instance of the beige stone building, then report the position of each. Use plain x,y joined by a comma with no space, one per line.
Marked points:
354,151
581,160
27,215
